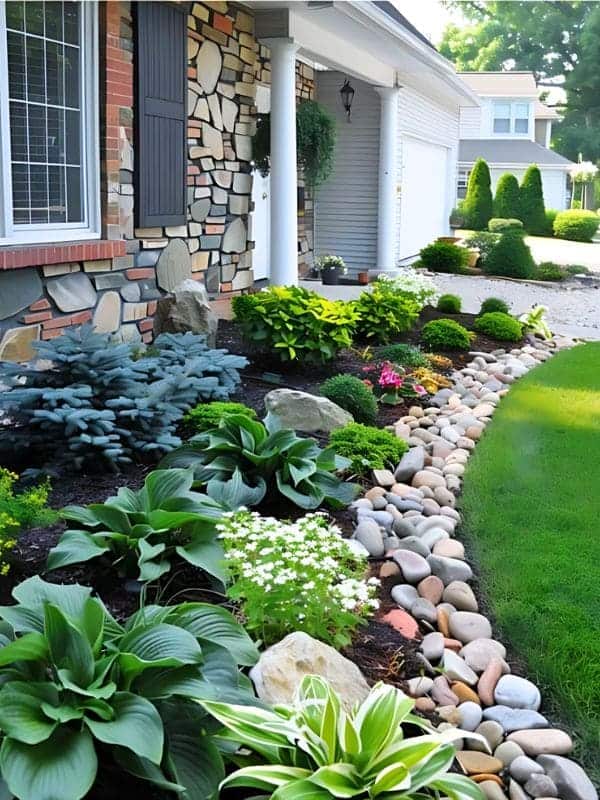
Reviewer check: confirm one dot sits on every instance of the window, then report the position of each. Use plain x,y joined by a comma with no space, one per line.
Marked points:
463,182
48,128
501,117
511,117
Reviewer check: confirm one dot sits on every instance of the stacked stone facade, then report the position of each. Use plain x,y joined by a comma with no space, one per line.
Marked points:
116,281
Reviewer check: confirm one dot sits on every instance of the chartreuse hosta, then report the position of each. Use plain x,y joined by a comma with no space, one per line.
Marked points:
143,532
78,691
315,750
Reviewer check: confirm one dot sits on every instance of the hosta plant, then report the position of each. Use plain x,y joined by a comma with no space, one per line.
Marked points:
243,461
533,322
80,691
142,532
300,575
317,750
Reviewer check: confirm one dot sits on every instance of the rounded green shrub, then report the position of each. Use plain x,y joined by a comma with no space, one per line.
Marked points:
205,416
404,355
449,304
533,213
500,326
549,271
507,202
491,304
444,257
352,395
497,225
368,448
511,257
478,204
446,334
575,225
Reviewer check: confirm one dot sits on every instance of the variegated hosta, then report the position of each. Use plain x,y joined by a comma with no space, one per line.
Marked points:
314,750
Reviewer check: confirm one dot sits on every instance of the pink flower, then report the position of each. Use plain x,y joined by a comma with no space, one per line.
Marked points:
419,389
389,377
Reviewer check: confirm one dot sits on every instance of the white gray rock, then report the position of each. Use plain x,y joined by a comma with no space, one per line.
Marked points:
480,652
523,767
413,566
467,626
404,595
449,569
541,786
570,779
187,309
515,719
281,668
456,669
368,533
301,411
516,692
411,462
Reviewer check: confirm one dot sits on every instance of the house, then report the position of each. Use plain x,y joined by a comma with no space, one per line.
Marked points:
126,152
511,129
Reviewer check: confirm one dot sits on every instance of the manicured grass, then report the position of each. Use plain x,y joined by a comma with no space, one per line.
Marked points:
532,515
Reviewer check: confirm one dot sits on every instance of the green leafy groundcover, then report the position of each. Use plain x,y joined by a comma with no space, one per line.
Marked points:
78,688
531,505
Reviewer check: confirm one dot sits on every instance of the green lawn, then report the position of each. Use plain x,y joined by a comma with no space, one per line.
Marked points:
532,517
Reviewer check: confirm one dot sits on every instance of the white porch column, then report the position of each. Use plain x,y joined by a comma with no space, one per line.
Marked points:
388,177
284,192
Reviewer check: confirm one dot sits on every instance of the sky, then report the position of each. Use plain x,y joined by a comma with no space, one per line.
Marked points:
429,16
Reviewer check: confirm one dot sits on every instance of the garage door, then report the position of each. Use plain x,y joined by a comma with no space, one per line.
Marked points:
423,213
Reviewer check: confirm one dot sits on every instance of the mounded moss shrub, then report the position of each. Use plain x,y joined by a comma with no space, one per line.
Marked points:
478,204
551,214
352,395
368,448
511,257
500,326
549,271
205,416
449,304
507,202
446,334
404,355
497,225
575,225
533,213
491,304
444,257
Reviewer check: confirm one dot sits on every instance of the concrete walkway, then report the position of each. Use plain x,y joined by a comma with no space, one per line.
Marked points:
571,311
563,252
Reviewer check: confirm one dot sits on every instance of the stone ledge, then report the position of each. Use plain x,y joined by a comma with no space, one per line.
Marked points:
60,253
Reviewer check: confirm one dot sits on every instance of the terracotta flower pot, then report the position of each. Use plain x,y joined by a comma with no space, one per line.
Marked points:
363,278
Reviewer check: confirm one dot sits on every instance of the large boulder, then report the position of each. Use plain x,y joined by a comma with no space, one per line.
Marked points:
301,411
282,667
187,309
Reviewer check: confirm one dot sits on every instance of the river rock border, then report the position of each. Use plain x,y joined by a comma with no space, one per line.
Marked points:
409,519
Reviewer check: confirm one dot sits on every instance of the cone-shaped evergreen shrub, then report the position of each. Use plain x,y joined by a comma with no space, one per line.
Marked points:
510,257
507,202
533,213
478,204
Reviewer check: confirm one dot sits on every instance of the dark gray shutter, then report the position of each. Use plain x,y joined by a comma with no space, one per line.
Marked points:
160,116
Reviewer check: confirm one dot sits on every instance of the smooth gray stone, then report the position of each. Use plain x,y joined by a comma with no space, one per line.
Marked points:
516,692
523,767
403,504
515,719
415,544
383,518
570,779
404,595
368,533
411,462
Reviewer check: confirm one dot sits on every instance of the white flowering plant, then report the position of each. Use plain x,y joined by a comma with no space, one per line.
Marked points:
331,262
407,281
583,172
301,575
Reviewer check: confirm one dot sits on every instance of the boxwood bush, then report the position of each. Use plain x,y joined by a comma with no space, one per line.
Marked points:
500,326
493,304
498,225
575,225
353,395
449,304
295,323
367,448
446,334
551,214
444,257
511,257
404,355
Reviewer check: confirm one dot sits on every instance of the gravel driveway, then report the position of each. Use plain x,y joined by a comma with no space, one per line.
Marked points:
572,310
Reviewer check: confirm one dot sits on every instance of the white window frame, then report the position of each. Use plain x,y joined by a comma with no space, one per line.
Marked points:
512,119
462,181
42,233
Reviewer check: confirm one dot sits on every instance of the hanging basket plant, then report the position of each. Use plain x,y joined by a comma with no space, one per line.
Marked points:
315,142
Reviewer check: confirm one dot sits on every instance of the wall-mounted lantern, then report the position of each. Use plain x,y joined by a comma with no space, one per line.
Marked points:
347,93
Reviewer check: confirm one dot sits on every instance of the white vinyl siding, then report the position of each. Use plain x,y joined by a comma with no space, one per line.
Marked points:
554,183
470,123
346,204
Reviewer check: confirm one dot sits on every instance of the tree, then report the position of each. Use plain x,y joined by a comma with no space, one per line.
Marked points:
507,203
478,205
533,212
558,41
510,257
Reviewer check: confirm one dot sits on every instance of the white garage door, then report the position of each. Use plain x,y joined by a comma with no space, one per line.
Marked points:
423,212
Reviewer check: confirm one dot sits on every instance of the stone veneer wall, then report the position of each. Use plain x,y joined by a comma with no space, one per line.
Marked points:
115,282
305,90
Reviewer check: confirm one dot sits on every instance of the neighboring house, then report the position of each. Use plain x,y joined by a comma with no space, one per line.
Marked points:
126,152
511,130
